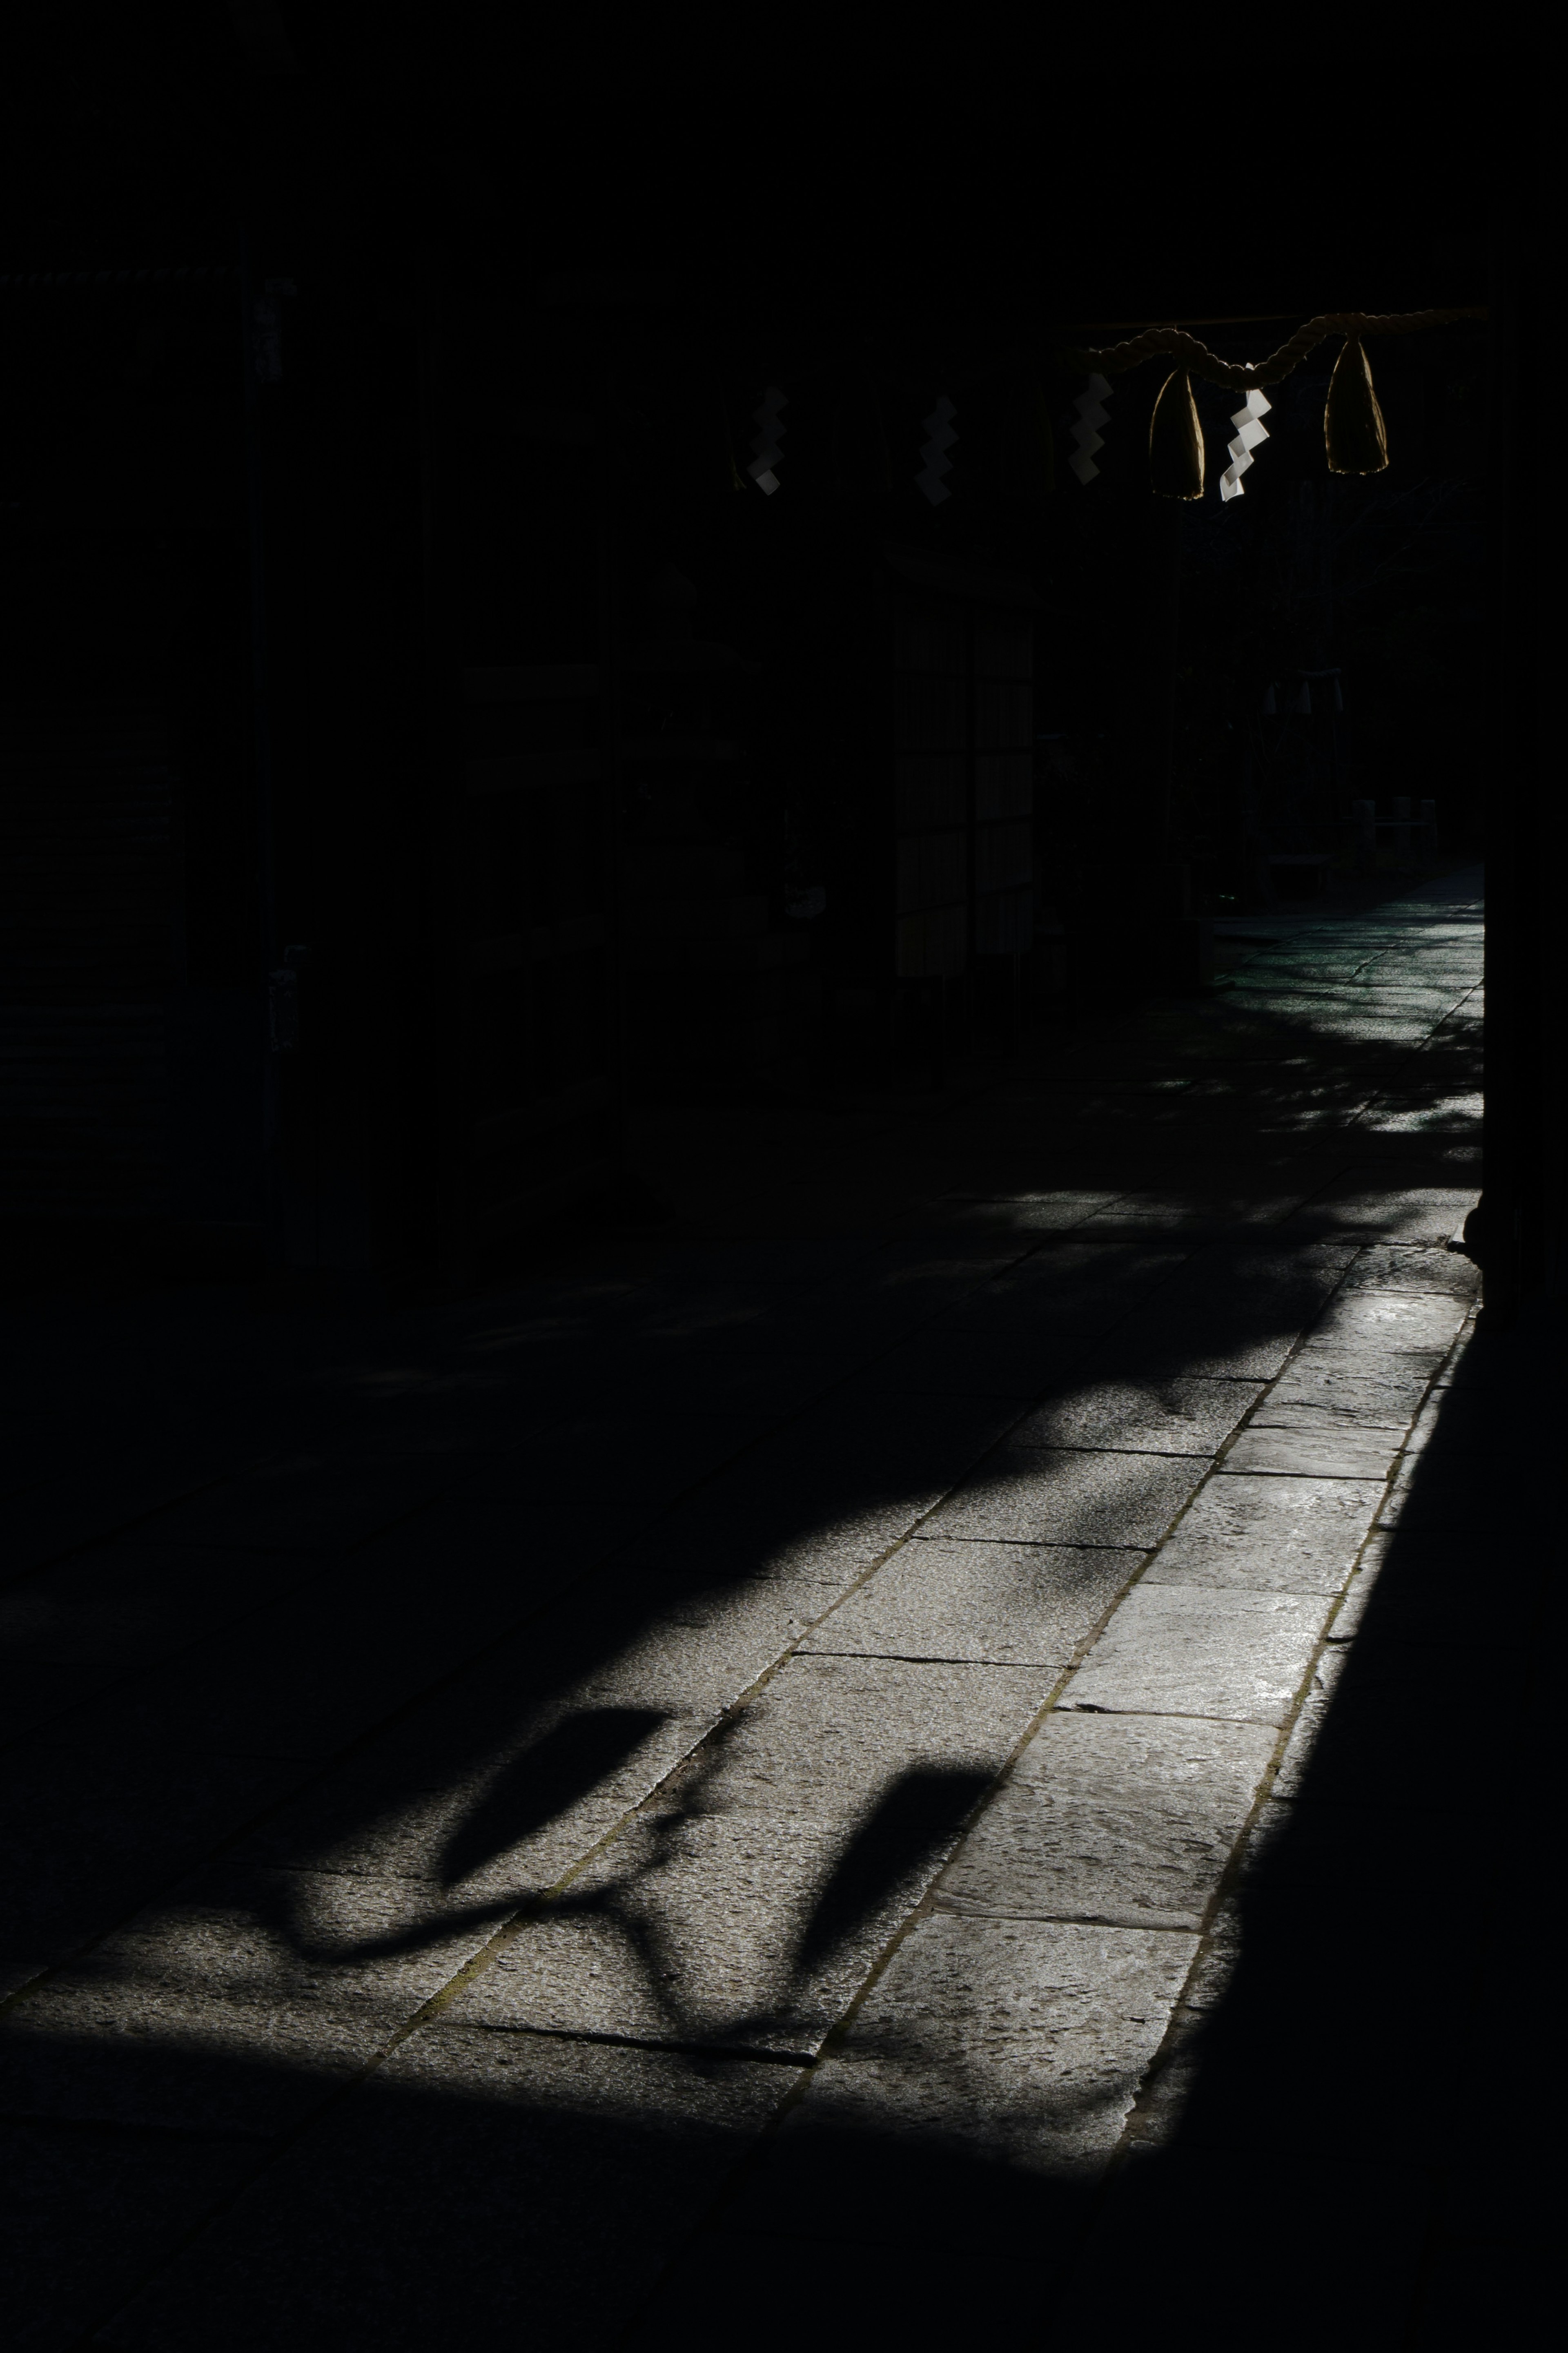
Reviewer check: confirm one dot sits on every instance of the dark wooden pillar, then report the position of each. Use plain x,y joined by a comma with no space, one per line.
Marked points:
1518,1231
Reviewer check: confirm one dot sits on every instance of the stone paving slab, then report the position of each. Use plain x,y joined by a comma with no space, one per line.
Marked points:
740,1930
1041,1495
1180,1650
1012,1605
1437,1111
232,2008
1428,1215
1275,1533
1125,1821
1181,1416
1025,2037
1349,1390
826,1736
502,1782
1236,1316
1391,1323
1180,1213
1027,1213
1265,1450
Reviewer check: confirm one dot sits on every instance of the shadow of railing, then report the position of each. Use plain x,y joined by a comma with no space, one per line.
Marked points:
432,2192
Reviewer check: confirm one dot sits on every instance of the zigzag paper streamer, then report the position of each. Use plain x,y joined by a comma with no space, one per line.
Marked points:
1091,415
939,428
1249,434
766,445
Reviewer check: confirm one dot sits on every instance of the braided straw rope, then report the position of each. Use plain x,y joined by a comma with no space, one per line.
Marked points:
1200,361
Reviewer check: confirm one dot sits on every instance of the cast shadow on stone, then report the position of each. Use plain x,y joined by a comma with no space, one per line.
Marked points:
914,1822
899,1847
1332,1975
527,1793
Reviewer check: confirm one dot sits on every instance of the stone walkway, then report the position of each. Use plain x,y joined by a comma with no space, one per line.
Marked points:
737,1786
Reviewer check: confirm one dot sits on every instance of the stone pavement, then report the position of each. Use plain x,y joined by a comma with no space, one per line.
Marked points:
927,1749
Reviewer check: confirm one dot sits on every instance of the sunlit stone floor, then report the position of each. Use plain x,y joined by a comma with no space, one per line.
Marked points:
722,1786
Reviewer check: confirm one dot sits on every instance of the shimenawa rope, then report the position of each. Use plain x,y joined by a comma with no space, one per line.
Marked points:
1240,377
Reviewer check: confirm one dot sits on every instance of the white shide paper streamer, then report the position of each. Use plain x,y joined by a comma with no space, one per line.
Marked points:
1249,433
765,448
941,437
1086,432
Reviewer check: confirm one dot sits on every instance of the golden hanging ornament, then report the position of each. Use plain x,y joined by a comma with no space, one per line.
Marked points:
1176,442
1353,429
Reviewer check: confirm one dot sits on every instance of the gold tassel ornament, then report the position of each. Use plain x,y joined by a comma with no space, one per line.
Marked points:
1353,422
1176,442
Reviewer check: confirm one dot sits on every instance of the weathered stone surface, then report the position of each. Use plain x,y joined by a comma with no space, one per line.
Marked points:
235,2007
1188,1650
1310,1723
1264,1451
1010,1604
1414,1214
1433,1111
1025,2038
1046,1213
1035,1495
724,1539
1180,1416
826,1737
1205,1213
494,1802
1272,1534
744,1930
1388,1322
1327,1388
1403,1266
1125,1820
